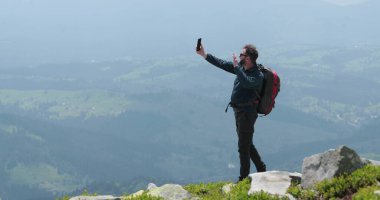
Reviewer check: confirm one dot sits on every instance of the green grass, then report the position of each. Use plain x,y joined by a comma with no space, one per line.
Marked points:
207,191
211,191
144,196
367,193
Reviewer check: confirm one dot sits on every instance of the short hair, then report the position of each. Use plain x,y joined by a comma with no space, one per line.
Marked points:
251,51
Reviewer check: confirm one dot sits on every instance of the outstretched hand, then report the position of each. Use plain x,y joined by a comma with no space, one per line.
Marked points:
235,60
201,51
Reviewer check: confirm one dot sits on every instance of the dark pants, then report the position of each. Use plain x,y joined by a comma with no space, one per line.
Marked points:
245,122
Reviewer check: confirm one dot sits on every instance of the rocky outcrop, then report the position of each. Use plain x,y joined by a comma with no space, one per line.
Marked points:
314,169
170,192
329,164
273,182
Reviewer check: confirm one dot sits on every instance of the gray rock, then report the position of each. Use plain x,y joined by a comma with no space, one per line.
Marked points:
329,164
151,186
105,197
290,197
170,192
272,182
227,188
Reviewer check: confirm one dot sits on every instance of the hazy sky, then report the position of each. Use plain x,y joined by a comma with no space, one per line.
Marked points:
346,2
38,31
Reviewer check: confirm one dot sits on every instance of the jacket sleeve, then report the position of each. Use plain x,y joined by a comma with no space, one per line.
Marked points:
222,64
250,82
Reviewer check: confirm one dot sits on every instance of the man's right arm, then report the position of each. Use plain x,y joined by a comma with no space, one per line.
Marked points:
222,64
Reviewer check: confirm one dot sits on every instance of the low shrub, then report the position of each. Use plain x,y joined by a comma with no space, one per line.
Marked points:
339,187
367,193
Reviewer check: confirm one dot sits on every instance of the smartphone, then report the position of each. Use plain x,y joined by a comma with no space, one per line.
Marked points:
199,44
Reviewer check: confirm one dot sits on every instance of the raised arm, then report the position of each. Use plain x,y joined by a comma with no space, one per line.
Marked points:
222,64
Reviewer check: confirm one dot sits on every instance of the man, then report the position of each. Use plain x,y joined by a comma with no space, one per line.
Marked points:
244,100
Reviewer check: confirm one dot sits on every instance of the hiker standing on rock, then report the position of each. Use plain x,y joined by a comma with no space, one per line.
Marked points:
244,101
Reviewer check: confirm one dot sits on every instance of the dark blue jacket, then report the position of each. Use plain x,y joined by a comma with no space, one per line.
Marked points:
247,83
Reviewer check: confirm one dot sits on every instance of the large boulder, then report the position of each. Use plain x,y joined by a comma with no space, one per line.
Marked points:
329,164
273,182
170,192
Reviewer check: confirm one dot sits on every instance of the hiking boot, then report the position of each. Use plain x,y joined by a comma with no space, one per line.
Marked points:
262,168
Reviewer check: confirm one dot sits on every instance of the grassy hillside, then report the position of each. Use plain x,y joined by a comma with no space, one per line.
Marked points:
61,104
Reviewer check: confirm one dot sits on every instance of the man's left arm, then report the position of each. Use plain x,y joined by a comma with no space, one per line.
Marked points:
251,82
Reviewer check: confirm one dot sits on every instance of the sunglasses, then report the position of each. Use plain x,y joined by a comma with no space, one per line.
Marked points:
243,55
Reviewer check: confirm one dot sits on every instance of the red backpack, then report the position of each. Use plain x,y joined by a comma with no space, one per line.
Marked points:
269,91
